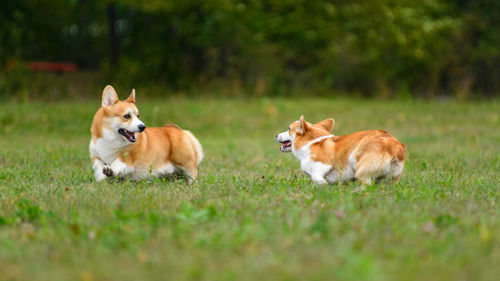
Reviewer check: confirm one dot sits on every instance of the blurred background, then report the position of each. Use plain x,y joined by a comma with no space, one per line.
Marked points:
429,49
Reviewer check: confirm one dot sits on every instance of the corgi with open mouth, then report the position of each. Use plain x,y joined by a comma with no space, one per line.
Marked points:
121,145
366,155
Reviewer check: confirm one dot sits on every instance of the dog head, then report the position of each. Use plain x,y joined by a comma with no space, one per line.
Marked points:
301,132
121,117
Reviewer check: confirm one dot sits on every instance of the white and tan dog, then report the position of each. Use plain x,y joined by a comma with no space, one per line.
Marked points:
365,155
121,145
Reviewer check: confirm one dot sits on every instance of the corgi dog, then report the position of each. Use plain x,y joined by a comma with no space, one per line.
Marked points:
365,155
121,145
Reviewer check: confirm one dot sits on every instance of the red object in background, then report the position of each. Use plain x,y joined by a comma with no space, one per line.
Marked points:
51,66
48,66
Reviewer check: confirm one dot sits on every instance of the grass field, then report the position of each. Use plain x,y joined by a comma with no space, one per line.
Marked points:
252,215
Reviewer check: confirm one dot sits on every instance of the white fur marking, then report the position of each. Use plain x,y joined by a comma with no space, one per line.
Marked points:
108,147
97,166
283,137
134,125
317,170
397,169
120,169
164,170
304,152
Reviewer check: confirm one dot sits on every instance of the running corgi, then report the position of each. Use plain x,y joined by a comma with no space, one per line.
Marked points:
365,155
121,145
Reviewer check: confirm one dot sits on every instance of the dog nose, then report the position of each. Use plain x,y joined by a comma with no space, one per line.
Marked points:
142,127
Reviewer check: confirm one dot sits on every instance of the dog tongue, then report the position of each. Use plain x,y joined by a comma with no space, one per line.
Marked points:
286,144
130,135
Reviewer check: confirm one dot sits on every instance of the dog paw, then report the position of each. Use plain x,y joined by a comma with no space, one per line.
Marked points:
100,177
107,171
319,181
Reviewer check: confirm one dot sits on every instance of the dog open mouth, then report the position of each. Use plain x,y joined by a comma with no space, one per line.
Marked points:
286,147
130,136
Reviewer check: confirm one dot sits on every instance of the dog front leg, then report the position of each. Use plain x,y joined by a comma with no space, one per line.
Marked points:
120,169
98,167
319,171
318,179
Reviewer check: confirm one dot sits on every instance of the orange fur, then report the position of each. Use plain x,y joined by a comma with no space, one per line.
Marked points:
154,149
157,146
374,151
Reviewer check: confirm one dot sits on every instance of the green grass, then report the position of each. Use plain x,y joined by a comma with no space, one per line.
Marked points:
252,215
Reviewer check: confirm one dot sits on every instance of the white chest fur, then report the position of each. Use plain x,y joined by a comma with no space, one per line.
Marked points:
320,172
317,170
108,147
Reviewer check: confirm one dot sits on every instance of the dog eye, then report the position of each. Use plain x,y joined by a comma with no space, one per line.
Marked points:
126,116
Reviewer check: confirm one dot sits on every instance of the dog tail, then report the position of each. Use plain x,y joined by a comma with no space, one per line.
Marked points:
197,147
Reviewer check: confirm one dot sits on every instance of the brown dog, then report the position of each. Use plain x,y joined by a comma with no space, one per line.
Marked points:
121,145
366,155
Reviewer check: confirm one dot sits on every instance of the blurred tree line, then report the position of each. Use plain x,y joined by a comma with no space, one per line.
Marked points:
383,48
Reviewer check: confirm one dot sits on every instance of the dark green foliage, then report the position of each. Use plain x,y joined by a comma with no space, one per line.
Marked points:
386,48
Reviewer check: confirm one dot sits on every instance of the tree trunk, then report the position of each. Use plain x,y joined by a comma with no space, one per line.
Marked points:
113,38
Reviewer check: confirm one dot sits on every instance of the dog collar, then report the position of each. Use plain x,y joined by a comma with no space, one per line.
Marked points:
319,139
304,151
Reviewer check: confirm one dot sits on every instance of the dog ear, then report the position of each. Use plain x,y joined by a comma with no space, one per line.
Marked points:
302,125
109,96
326,124
131,98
